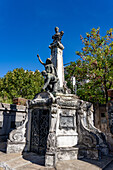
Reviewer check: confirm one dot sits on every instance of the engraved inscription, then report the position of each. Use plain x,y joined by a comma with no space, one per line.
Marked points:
66,122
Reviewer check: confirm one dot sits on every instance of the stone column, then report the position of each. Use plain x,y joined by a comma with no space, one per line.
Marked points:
57,54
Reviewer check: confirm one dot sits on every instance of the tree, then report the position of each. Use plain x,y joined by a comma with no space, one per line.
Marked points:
94,69
20,83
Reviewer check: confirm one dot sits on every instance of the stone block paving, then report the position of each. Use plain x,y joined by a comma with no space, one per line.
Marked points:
16,161
31,161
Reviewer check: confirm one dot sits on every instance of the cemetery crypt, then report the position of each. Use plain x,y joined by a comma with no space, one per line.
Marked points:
59,126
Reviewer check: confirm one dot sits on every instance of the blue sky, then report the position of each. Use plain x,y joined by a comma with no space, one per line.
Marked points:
27,26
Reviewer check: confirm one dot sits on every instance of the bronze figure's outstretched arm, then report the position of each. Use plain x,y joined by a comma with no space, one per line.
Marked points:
40,60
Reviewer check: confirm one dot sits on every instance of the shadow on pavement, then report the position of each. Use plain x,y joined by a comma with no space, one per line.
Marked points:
34,158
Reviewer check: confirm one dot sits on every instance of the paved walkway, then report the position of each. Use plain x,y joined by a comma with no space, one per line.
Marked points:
15,161
30,161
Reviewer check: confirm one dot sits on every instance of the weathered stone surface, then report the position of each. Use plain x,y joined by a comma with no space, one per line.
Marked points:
57,54
15,147
17,138
110,115
42,99
109,133
62,128
64,153
49,160
71,126
66,124
67,141
92,141
11,117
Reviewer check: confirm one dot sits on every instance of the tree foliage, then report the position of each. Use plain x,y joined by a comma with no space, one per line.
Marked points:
94,69
20,83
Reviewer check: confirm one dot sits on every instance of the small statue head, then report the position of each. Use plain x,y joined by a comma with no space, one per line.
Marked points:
48,61
44,73
56,29
62,33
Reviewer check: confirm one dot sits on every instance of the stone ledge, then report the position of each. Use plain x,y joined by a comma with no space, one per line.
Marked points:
12,107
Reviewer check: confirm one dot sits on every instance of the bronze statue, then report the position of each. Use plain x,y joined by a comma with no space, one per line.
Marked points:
51,79
58,36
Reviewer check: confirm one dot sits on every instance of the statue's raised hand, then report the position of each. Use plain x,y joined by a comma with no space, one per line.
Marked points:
40,59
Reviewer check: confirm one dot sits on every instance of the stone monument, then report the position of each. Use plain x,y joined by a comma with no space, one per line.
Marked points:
57,54
59,125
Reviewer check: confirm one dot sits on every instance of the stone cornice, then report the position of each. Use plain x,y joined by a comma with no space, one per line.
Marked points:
56,44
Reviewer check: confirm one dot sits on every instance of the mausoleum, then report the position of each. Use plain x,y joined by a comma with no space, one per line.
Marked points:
59,126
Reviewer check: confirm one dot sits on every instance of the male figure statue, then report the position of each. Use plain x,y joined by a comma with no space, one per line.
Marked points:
51,79
58,36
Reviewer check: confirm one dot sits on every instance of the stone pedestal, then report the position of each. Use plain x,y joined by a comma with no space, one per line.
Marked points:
57,60
57,123
61,128
57,56
58,128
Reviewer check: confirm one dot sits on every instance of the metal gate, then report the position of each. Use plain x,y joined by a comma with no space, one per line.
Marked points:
39,130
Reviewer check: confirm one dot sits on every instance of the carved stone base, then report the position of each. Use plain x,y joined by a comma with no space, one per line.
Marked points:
50,159
15,147
61,154
62,127
66,154
89,154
